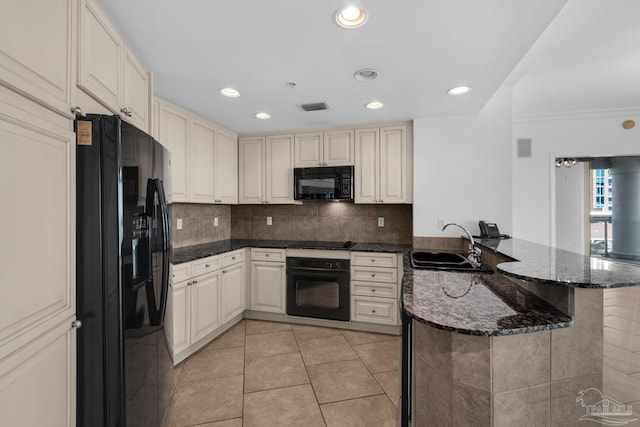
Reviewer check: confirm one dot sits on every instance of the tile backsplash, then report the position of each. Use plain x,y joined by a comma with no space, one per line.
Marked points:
197,223
324,221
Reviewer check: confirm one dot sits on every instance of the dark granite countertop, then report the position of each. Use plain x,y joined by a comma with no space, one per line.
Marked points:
476,303
554,266
191,253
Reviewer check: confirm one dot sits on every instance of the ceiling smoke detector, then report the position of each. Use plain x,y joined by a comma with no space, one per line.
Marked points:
366,74
316,106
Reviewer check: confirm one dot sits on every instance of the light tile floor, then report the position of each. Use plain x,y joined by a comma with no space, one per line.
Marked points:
621,376
278,374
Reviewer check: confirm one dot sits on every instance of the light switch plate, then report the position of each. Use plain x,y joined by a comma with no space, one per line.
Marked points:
269,220
380,221
215,221
179,224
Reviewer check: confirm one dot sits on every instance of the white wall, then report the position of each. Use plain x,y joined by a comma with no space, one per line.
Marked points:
462,169
534,187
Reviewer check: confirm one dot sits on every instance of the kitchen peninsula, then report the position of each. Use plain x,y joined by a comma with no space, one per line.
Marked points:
512,347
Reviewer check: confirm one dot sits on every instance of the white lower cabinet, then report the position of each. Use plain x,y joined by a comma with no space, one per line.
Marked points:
206,294
268,280
205,305
38,382
375,284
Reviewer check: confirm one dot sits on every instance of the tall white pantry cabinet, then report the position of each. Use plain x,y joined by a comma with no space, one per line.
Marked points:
42,69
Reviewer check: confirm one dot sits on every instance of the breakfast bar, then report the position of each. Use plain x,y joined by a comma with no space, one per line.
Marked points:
510,347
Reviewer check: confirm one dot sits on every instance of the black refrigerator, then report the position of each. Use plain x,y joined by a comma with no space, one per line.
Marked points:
125,368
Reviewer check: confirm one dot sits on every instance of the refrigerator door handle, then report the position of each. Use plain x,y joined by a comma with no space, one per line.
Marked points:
165,249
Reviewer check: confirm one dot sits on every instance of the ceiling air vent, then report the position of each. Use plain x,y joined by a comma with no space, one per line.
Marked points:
316,106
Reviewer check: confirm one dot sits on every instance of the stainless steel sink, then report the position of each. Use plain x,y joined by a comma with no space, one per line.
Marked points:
443,261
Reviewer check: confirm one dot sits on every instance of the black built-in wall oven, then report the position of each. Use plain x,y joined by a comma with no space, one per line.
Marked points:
318,288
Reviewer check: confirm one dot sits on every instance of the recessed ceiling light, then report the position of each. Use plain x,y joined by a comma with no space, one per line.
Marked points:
374,105
262,116
351,17
366,74
459,90
229,92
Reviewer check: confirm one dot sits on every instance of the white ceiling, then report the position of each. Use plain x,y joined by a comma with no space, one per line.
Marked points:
420,47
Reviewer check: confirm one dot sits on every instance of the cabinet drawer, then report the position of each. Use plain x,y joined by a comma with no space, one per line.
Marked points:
374,259
374,310
180,272
262,254
374,274
232,258
205,265
374,289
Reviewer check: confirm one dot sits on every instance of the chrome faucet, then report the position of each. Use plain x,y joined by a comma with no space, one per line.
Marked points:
474,253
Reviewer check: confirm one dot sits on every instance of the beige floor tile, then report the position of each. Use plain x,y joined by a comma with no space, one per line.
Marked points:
205,365
390,383
359,337
304,332
379,356
326,350
236,422
342,380
234,337
262,345
281,370
206,401
371,411
290,407
262,327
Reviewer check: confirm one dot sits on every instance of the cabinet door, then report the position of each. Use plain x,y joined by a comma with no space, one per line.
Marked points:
279,169
180,317
100,55
38,209
338,148
393,165
226,168
205,305
202,145
36,42
308,150
136,92
251,173
366,165
174,134
268,286
38,382
232,291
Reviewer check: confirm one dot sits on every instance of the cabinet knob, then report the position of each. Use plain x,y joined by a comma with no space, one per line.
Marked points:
190,283
373,260
373,289
373,310
267,255
77,324
77,111
208,265
373,274
126,111
218,201
233,257
173,275
224,271
381,201
195,281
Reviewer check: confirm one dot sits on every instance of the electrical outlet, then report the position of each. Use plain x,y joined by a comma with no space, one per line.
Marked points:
179,224
215,221
269,220
380,221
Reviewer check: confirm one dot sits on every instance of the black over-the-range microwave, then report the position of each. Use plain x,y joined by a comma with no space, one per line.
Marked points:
324,183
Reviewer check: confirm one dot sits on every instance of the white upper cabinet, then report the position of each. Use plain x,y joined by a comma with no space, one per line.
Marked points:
279,169
225,168
174,134
108,71
36,50
203,139
334,148
266,169
251,173
383,165
203,165
338,148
